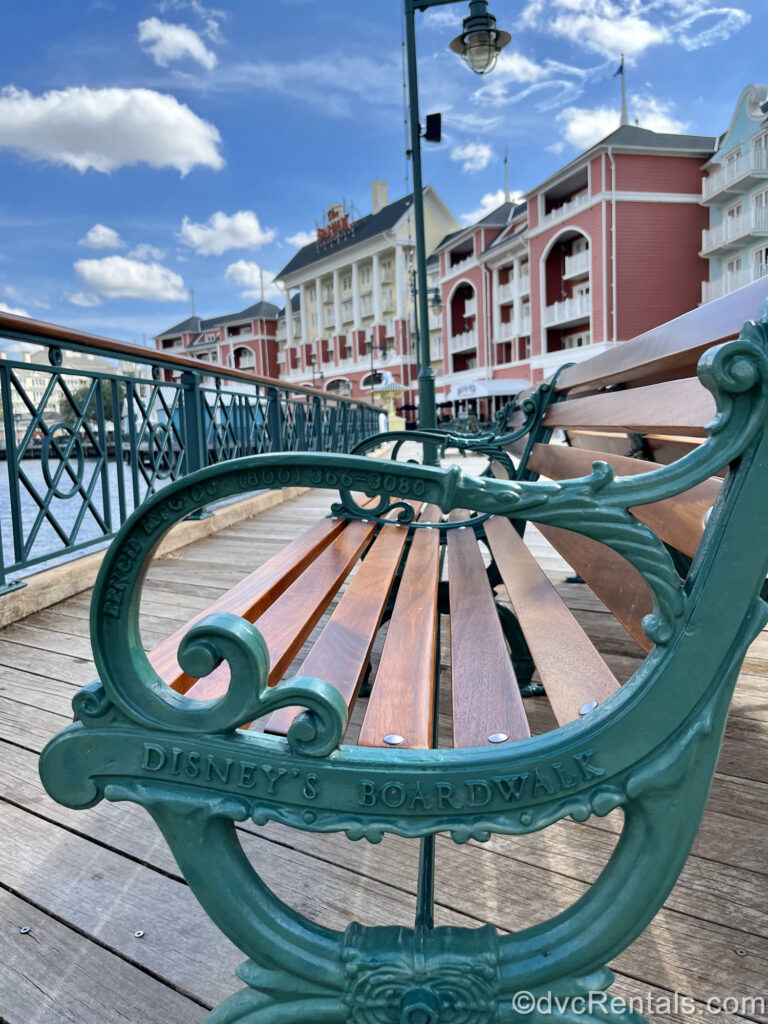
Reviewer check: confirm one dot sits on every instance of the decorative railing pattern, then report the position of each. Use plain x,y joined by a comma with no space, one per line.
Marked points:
91,428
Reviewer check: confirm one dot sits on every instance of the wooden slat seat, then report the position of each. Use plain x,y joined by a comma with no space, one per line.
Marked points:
486,697
402,702
572,671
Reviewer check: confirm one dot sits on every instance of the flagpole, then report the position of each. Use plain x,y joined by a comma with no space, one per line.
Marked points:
624,114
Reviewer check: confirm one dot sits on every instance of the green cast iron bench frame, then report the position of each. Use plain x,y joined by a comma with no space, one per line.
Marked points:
649,749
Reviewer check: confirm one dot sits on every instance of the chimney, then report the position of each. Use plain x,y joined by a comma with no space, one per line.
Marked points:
379,198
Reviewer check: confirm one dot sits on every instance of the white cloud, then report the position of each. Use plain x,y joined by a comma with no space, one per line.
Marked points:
249,277
474,156
85,299
515,67
302,238
556,148
612,27
240,231
145,251
491,201
584,127
727,21
13,310
105,129
610,36
443,19
102,237
119,277
166,43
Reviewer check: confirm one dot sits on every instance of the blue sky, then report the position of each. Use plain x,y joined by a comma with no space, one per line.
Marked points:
146,148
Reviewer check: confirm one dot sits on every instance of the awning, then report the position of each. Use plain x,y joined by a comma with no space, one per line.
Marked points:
469,389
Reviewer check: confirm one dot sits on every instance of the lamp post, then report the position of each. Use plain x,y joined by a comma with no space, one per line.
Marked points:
315,376
479,44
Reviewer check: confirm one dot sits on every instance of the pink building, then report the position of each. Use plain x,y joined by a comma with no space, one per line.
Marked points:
245,341
602,250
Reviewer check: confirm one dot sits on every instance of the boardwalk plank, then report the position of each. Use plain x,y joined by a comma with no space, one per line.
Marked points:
53,975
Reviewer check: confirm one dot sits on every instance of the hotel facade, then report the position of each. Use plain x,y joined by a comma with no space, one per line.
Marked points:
637,230
350,295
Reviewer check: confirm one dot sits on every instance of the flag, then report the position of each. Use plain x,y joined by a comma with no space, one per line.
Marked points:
619,70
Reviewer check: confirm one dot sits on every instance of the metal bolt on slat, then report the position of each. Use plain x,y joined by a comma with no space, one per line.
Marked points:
138,935
498,737
586,708
25,929
393,740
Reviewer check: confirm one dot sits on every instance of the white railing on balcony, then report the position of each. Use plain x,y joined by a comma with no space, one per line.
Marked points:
347,311
386,276
507,331
567,208
525,284
754,221
754,160
577,264
452,264
328,318
525,325
435,321
386,298
366,306
731,280
328,293
436,351
568,309
463,342
507,292
470,307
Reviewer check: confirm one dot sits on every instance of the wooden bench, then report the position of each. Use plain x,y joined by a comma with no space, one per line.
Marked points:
207,730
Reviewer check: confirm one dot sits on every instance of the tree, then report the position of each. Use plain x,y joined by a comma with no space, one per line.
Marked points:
79,395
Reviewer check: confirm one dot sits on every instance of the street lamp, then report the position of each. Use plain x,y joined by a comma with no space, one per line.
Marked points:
479,44
480,41
315,376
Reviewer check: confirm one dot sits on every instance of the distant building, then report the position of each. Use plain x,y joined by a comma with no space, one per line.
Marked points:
735,191
599,252
244,341
350,296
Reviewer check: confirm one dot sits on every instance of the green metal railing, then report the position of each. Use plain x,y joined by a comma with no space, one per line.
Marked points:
91,428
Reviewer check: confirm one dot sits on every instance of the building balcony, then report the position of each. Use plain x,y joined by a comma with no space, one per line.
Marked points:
387,298
733,232
435,351
435,321
525,284
458,261
525,326
507,331
282,332
462,342
576,266
470,307
732,280
329,320
507,293
386,277
566,209
568,311
366,308
735,177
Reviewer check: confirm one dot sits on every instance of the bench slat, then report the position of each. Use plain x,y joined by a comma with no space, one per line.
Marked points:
341,652
287,623
679,342
402,701
680,406
570,667
617,583
679,520
486,697
251,596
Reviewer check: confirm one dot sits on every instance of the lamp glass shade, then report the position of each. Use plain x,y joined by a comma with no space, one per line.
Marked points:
436,301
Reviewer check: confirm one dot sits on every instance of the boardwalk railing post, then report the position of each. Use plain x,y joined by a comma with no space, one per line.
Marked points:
193,422
317,424
274,420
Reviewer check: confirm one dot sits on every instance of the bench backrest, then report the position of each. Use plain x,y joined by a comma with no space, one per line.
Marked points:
637,407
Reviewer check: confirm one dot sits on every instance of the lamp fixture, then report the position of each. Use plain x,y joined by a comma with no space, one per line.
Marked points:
480,41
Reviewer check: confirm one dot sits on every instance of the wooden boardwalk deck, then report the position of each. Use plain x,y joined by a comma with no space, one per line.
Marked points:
84,883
